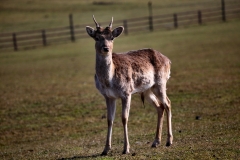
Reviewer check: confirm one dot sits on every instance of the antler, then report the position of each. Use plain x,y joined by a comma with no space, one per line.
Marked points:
110,25
97,25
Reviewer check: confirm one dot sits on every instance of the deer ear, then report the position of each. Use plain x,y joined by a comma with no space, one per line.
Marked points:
90,31
117,31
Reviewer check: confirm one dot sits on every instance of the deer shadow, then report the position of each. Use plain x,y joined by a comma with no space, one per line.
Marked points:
81,157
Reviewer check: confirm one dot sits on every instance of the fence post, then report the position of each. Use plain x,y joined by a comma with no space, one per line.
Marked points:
71,27
223,11
175,20
44,38
199,17
125,27
15,42
150,16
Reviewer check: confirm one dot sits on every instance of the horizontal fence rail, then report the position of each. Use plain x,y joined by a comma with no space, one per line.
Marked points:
45,37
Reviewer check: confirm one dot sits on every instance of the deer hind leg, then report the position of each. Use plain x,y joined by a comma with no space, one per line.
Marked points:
153,100
160,91
111,108
169,122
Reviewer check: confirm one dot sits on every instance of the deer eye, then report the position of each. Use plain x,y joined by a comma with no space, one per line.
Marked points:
97,39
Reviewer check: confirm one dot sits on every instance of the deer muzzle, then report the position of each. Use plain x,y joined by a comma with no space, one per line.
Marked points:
105,49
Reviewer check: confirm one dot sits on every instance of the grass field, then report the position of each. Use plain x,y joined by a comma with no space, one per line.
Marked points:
22,15
50,109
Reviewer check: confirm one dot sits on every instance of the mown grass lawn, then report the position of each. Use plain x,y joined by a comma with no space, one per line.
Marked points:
22,15
50,109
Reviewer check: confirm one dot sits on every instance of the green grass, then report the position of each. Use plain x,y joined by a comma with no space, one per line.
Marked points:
50,109
22,15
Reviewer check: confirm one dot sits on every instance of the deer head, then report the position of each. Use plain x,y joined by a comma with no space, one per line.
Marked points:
104,37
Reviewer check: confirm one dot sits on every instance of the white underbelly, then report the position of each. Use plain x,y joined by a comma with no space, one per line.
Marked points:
147,81
143,88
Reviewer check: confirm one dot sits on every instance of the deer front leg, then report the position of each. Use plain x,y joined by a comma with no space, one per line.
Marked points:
125,114
111,108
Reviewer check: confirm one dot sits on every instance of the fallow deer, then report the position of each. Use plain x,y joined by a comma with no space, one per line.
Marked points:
144,71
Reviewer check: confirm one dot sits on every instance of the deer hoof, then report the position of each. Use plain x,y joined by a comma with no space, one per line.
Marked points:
155,144
105,152
168,144
125,152
169,141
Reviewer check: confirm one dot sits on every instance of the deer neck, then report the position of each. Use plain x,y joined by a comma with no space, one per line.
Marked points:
104,68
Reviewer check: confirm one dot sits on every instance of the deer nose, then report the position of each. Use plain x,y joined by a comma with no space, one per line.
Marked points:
105,49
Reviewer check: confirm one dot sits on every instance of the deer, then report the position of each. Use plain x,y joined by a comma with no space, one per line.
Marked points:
118,76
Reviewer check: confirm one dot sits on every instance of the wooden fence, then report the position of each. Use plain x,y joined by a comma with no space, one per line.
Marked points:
45,37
